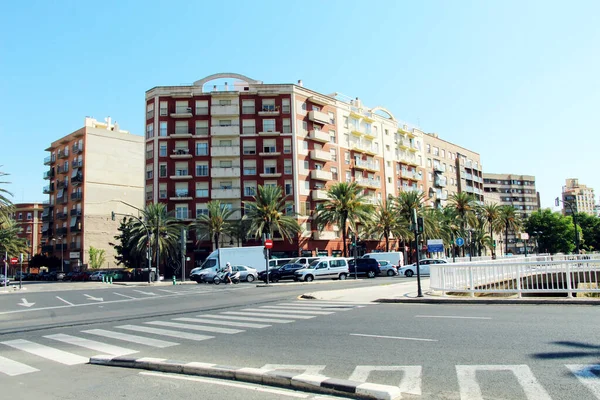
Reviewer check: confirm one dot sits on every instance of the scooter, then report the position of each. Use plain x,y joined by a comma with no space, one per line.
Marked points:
220,277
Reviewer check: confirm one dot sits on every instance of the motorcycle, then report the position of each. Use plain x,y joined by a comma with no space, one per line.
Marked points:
220,277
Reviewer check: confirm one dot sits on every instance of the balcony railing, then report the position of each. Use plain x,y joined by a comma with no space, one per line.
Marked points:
49,160
225,172
49,189
225,151
61,169
76,196
61,215
49,174
77,164
61,231
227,109
62,184
63,154
183,214
75,246
75,212
77,148
182,112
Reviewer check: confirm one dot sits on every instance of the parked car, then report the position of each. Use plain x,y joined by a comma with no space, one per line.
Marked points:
279,262
69,276
42,276
411,269
285,272
387,268
324,268
20,275
80,276
4,281
395,257
30,277
246,273
364,266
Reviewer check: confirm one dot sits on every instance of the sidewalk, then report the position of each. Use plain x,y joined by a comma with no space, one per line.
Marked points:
406,292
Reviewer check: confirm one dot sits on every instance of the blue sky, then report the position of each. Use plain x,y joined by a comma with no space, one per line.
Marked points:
516,81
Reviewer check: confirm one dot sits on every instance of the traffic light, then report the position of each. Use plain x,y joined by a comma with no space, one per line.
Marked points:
420,225
494,243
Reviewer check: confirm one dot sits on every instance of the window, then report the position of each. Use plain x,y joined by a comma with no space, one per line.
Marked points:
149,131
304,145
201,128
162,149
201,148
249,146
332,138
428,147
333,153
225,102
162,171
149,152
287,127
304,125
225,122
182,107
150,111
307,185
181,189
316,108
345,122
201,209
181,169
164,108
306,164
289,209
249,188
331,117
29,216
181,211
225,163
162,191
334,173
285,106
268,105
346,158
346,139
248,126
268,125
201,189
269,146
348,176
270,166
305,208
247,106
149,172
181,127
271,183
287,146
249,167
162,129
201,107
387,132
202,168
287,166
303,106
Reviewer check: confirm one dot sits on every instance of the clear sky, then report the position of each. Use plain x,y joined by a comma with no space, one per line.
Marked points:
516,81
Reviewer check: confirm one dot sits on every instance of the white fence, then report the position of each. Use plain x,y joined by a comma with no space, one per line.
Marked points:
532,275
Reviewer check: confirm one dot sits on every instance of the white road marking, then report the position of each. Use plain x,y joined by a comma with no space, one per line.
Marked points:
394,337
332,303
302,311
168,291
64,301
410,382
204,328
145,293
323,306
449,316
25,303
124,295
93,298
226,323
586,375
470,390
103,348
220,382
306,369
131,338
14,368
266,313
49,353
165,332
251,319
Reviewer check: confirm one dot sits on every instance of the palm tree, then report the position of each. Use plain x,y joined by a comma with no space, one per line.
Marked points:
449,227
267,214
406,204
346,205
510,220
238,230
4,194
9,241
465,205
490,214
214,224
385,222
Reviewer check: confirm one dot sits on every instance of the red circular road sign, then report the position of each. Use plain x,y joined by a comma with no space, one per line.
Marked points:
14,260
268,244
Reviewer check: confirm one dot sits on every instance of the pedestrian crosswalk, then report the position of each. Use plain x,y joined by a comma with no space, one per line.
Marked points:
158,334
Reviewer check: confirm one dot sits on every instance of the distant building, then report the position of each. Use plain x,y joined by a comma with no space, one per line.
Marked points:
28,217
578,196
90,172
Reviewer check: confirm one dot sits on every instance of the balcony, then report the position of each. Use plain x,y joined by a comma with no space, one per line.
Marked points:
183,214
181,195
224,110
320,155
413,148
319,195
370,183
319,117
225,151
76,228
49,174
319,136
181,153
61,231
76,196
49,189
269,152
269,133
62,169
403,144
439,167
47,217
62,184
75,246
319,100
440,181
225,172
77,164
368,165
49,160
63,154
182,112
325,235
181,133
75,212
61,215
225,130
270,173
231,193
321,175
77,148
77,179
269,111
181,174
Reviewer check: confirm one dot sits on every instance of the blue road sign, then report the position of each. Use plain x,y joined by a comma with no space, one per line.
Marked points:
460,241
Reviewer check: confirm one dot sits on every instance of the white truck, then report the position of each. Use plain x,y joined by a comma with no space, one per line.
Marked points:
251,256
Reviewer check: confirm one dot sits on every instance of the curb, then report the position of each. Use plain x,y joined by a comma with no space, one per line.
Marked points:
310,383
486,301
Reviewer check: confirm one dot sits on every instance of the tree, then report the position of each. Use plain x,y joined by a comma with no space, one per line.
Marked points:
464,205
127,253
346,205
238,230
10,242
490,214
42,260
215,224
510,221
385,222
97,258
556,231
589,231
4,193
267,214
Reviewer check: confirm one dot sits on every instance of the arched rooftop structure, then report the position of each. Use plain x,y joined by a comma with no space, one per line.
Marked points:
385,110
221,75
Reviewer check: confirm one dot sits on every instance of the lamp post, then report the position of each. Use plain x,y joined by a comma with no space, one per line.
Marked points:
62,263
470,244
574,212
537,246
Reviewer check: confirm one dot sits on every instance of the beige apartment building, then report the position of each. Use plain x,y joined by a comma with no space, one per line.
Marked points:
578,196
92,171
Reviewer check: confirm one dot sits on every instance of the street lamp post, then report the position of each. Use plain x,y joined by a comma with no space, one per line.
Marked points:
62,263
574,212
537,246
470,244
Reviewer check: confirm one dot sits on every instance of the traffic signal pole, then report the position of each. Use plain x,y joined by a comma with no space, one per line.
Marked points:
418,228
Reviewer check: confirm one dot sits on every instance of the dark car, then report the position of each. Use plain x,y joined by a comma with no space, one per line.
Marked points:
364,266
284,272
68,276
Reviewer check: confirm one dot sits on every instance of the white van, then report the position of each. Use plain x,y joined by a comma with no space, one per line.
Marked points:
323,268
395,257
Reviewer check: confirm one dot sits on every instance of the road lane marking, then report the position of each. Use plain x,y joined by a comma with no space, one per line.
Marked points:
588,375
47,352
266,313
470,389
305,369
318,307
93,298
450,316
14,368
220,382
64,301
303,311
251,319
131,338
145,293
339,303
103,348
25,303
124,295
168,291
226,323
165,332
393,337
410,382
205,328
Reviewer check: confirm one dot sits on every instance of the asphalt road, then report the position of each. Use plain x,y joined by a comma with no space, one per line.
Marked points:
431,351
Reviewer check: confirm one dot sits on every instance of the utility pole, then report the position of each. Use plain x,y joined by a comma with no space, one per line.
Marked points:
418,229
183,248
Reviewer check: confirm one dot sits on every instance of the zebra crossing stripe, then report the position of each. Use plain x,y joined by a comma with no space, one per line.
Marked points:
225,323
251,319
301,311
131,338
410,382
334,303
323,307
47,352
265,313
166,332
205,328
588,375
14,368
103,348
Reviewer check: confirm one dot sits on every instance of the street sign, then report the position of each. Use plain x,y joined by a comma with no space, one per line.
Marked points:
460,241
435,245
14,260
268,243
524,236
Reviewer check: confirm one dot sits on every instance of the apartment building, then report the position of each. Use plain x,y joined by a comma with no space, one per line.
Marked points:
92,171
577,197
450,169
28,217
517,191
219,142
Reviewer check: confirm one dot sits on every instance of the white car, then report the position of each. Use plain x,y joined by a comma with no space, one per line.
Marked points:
323,268
411,269
387,268
96,276
4,281
247,274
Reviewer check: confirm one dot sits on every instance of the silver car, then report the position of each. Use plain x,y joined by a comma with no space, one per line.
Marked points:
247,274
387,268
4,281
